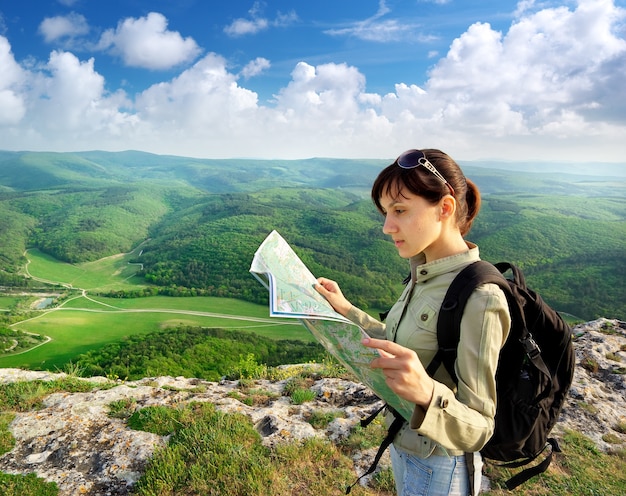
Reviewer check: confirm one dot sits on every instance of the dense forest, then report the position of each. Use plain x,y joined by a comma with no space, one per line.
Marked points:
194,352
200,222
211,245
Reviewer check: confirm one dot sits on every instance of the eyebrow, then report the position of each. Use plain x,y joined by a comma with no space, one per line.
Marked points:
391,205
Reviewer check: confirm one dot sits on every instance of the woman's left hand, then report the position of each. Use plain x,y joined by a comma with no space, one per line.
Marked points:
403,370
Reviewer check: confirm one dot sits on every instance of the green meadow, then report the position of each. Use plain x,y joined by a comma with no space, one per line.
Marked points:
116,272
8,302
82,322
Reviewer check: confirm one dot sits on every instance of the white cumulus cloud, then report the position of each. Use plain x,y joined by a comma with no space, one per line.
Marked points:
551,86
63,27
255,67
146,42
12,102
554,72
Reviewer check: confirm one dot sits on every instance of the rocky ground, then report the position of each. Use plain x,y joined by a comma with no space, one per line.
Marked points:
74,441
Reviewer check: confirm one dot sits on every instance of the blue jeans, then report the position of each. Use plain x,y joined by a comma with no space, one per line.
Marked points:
432,476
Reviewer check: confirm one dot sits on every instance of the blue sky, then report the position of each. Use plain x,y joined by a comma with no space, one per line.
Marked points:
496,79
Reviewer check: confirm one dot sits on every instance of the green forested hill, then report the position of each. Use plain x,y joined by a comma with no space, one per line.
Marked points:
82,224
200,222
571,248
211,244
576,262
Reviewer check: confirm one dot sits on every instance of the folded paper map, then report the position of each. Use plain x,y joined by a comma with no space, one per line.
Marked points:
292,295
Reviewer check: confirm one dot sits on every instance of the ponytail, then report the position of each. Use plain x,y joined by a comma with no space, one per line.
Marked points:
472,204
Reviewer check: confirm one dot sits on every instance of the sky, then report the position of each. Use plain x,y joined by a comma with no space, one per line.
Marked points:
529,80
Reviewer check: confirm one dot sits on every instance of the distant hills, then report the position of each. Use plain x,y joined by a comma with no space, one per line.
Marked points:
205,218
586,168
36,170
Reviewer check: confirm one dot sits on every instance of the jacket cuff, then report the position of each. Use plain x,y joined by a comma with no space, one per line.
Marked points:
424,420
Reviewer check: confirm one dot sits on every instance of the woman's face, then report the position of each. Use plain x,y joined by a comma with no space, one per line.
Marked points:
413,223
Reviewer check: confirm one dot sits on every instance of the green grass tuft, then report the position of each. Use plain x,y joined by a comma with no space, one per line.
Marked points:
26,485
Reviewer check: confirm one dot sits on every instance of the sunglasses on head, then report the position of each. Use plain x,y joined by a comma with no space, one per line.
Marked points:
415,158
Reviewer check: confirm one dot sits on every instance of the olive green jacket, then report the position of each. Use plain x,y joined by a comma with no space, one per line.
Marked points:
458,419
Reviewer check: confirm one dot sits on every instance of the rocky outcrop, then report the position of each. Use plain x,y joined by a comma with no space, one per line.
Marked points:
74,441
596,406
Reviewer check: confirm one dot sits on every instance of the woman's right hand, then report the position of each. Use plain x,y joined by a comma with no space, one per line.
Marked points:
330,290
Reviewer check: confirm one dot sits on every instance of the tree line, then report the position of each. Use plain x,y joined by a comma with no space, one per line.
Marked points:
192,352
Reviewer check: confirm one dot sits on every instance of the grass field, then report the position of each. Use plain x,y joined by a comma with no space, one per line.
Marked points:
76,331
83,323
110,273
7,302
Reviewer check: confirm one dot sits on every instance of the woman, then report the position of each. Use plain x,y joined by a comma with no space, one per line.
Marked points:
429,207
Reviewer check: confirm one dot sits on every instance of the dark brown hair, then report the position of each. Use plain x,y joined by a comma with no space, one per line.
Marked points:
420,181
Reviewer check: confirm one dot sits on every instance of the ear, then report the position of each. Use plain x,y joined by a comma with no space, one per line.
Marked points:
448,207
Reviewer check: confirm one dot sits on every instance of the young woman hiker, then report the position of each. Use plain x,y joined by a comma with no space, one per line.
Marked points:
428,207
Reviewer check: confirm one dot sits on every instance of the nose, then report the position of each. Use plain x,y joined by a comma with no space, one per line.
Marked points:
389,226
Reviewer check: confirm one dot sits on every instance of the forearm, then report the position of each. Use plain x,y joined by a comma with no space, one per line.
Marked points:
374,328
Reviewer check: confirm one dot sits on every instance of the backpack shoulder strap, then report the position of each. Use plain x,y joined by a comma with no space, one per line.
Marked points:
451,312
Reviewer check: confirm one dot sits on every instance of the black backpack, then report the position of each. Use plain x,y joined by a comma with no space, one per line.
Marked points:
535,369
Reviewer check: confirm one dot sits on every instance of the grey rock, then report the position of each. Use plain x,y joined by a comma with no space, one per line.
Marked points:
74,442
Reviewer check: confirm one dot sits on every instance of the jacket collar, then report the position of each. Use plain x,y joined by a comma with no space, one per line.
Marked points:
422,271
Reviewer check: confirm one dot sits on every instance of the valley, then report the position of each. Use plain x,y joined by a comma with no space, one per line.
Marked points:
134,244
76,322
